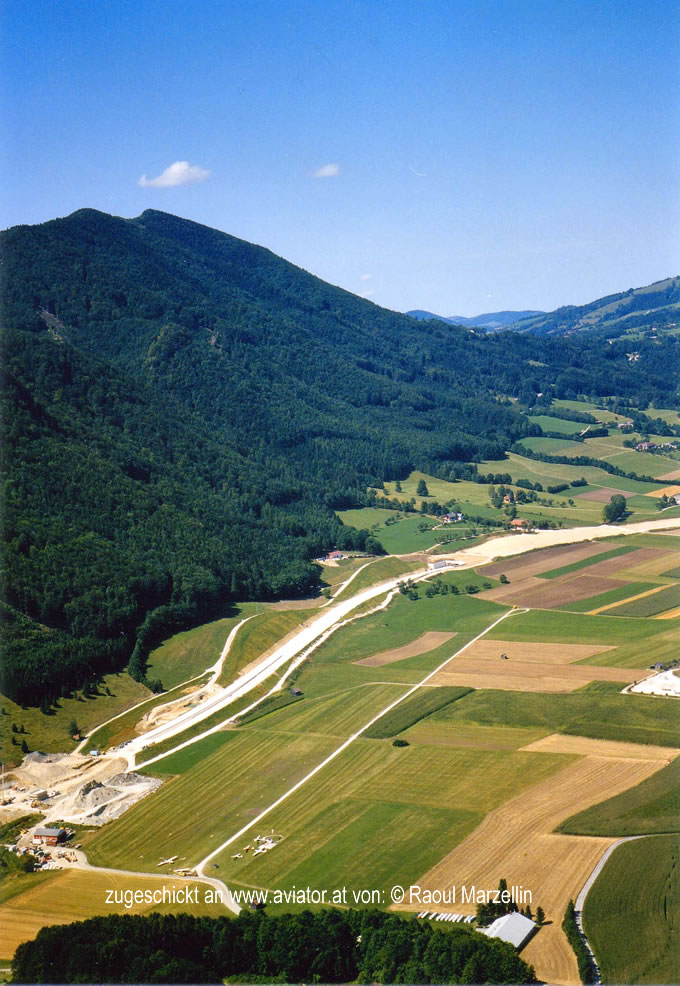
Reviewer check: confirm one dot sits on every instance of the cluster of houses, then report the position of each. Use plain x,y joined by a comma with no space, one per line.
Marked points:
653,447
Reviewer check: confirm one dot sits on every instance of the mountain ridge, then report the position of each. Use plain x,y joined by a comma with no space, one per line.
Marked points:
186,411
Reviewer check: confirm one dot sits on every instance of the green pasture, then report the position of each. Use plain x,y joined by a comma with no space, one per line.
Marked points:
194,812
418,706
400,538
547,423
554,446
553,473
589,408
49,732
189,653
622,549
631,913
598,711
406,620
659,602
361,845
555,626
338,715
672,417
651,807
340,571
184,760
466,735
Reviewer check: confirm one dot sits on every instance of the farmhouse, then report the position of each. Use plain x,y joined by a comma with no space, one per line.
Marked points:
335,555
48,837
513,928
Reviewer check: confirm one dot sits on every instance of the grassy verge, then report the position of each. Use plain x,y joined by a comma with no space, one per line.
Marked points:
258,636
123,728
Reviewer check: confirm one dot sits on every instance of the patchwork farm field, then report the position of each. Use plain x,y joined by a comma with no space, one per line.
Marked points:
592,578
429,786
76,895
517,840
496,753
636,899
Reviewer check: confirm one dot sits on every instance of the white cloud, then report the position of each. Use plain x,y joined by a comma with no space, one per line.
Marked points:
327,171
365,277
179,173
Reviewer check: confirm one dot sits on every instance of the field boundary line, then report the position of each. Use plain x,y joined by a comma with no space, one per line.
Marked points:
343,746
630,599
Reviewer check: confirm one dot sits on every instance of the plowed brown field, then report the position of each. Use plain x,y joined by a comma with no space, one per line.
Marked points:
516,841
426,642
554,592
545,560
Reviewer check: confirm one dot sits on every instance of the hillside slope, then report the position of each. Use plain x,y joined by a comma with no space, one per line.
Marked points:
185,409
648,311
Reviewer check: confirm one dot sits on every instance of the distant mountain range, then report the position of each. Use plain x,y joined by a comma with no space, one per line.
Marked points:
636,312
490,320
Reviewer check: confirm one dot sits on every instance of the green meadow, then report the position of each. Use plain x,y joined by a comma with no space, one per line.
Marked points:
598,711
631,913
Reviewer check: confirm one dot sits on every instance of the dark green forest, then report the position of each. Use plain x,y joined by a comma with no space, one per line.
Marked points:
328,946
183,411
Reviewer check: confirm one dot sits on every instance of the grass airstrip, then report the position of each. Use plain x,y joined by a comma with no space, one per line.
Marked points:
499,751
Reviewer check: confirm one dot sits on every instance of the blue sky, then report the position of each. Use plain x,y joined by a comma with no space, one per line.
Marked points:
456,156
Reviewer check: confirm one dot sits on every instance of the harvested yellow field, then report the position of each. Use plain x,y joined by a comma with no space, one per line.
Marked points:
670,614
516,841
629,599
530,666
580,745
426,642
75,895
668,476
665,491
531,651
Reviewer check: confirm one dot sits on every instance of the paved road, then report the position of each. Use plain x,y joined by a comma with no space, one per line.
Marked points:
507,546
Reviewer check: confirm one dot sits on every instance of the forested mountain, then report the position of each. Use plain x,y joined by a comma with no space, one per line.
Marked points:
652,309
488,320
183,410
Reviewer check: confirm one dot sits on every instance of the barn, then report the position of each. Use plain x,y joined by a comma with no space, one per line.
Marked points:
48,837
513,928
